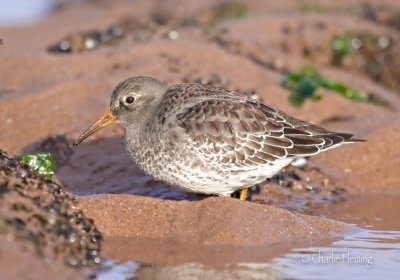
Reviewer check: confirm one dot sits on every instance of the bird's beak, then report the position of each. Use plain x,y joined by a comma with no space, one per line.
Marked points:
106,119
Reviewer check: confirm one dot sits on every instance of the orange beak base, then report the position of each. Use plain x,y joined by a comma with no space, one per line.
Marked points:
107,119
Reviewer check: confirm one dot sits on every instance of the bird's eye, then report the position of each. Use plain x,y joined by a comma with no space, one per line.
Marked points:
129,100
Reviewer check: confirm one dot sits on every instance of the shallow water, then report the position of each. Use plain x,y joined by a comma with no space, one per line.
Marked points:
369,252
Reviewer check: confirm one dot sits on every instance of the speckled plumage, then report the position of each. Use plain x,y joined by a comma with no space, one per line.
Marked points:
210,140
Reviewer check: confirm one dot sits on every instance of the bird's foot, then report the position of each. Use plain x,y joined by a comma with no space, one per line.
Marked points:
242,194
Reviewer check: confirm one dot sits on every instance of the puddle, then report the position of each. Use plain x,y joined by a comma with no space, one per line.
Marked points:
370,252
19,12
366,254
373,252
120,271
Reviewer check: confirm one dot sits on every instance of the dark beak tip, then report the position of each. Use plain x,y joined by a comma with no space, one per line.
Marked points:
104,121
77,142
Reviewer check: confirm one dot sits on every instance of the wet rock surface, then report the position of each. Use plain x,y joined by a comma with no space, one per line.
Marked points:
41,216
211,221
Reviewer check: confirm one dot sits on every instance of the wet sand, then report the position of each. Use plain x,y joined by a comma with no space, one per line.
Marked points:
46,95
237,222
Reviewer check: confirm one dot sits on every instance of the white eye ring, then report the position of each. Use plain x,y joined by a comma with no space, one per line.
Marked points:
129,99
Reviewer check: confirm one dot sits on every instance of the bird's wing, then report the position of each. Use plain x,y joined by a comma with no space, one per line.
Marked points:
243,131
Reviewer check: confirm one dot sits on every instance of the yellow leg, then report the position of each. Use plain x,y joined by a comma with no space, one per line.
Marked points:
243,194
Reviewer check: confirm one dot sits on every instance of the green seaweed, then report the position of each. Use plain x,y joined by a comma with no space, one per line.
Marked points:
41,163
314,9
304,84
341,47
233,9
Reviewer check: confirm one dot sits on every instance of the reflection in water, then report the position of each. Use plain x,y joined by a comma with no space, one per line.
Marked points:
369,253
131,270
199,271
112,271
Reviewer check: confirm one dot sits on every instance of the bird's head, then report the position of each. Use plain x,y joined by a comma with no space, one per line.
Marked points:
131,100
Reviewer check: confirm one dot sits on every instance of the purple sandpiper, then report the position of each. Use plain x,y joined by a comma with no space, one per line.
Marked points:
208,140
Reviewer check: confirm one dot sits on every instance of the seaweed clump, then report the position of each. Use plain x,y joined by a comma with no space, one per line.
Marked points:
304,84
38,213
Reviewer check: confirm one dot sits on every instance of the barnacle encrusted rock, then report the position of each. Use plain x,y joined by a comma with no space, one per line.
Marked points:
40,214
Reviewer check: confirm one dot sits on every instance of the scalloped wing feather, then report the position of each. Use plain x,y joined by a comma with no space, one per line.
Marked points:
235,130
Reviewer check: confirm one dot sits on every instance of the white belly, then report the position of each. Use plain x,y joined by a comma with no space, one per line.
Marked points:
219,181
